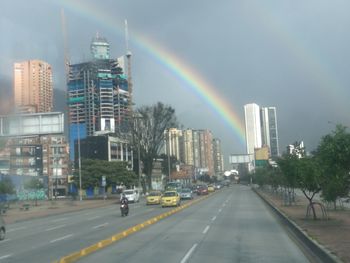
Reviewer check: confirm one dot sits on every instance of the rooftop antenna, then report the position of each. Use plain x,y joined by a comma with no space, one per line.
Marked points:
128,57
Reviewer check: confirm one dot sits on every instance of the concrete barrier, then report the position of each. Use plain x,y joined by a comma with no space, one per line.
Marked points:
315,249
104,243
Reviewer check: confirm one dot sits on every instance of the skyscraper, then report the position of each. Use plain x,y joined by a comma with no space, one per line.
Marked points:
217,156
203,151
252,127
172,139
186,147
269,129
98,95
33,86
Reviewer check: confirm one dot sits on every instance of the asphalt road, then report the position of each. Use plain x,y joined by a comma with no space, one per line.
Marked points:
232,225
50,238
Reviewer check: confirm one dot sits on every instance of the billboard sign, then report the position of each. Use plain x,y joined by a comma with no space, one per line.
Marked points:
32,124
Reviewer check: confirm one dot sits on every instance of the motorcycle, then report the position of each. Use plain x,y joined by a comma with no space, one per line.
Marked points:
124,209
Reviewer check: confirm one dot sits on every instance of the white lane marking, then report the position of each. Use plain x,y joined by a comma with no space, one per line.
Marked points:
61,238
6,256
220,210
213,219
188,254
102,225
59,219
206,229
94,217
15,229
55,227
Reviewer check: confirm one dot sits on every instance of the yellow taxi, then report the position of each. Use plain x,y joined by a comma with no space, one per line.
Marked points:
211,188
154,198
170,198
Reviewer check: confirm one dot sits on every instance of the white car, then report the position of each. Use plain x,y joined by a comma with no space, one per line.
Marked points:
132,195
2,228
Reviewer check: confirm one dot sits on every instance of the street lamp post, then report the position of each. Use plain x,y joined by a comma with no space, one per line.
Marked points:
56,161
79,157
136,118
168,152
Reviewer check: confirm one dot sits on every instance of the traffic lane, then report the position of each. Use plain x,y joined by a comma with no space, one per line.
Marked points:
85,231
34,226
168,239
245,230
24,229
233,226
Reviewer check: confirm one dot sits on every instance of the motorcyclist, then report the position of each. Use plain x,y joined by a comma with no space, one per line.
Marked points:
123,199
124,207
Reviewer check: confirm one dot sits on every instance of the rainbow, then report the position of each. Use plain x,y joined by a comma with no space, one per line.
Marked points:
179,68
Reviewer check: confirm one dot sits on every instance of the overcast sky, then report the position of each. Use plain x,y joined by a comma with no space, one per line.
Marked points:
291,54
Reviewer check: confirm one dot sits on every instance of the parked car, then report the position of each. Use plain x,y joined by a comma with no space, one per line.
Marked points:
211,188
202,190
2,228
218,186
132,195
186,193
154,198
170,198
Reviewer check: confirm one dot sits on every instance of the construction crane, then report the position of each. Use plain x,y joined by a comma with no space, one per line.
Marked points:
65,45
128,57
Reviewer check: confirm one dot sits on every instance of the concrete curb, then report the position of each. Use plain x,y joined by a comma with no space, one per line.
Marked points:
318,250
73,257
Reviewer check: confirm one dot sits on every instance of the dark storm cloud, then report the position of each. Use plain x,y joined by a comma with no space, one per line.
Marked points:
289,54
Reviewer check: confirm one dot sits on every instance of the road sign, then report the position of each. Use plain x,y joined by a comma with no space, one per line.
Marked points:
103,181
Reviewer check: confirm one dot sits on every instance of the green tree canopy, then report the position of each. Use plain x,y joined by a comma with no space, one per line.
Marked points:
6,186
34,184
115,172
333,154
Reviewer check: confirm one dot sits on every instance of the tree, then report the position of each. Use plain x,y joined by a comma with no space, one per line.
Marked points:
288,167
333,154
115,172
309,180
6,186
165,165
34,184
148,133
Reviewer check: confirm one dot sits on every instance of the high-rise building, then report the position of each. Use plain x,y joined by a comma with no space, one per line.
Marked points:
252,127
33,86
172,139
269,129
217,156
186,147
203,151
98,95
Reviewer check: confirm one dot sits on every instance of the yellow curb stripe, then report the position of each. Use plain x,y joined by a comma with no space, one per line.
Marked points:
75,256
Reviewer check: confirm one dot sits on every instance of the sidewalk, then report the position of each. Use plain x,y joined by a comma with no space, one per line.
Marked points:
333,233
46,208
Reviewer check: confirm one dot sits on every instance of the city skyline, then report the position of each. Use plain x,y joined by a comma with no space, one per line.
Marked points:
294,68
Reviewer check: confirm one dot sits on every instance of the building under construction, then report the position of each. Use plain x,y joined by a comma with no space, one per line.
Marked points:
98,95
